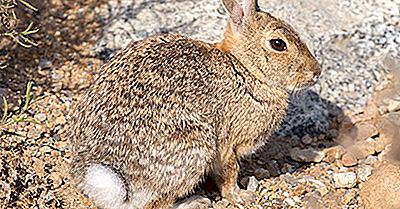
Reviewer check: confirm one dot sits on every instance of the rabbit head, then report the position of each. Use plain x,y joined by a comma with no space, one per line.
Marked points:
268,47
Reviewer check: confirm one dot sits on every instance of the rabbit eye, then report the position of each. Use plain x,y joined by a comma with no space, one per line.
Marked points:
278,44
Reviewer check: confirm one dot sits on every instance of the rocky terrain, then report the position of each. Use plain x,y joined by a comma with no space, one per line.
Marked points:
338,148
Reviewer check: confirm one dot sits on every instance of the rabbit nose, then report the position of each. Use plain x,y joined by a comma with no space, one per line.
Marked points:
316,72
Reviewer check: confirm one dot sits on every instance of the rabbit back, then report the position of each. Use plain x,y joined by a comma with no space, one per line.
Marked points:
152,115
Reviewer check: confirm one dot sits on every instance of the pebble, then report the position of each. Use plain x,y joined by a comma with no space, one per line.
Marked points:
393,106
45,64
290,202
222,204
333,133
41,117
371,160
349,160
319,186
306,155
344,180
380,143
348,196
364,172
306,139
60,120
365,130
313,200
245,181
57,179
252,184
261,173
334,153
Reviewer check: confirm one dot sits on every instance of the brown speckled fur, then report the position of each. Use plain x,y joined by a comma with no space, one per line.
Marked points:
168,109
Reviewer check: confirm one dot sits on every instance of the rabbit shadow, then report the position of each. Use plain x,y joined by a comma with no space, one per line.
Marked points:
311,122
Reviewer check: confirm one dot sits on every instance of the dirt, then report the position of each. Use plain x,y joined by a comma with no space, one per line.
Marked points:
34,157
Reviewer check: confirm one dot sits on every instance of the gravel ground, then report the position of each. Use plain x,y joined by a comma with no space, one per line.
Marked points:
333,150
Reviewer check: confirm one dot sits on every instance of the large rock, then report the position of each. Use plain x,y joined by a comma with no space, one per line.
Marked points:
382,189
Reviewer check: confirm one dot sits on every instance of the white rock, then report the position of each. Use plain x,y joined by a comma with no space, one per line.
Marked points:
364,172
344,180
307,155
290,202
394,105
41,117
253,184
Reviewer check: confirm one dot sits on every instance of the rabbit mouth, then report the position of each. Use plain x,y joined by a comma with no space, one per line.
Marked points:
313,81
303,85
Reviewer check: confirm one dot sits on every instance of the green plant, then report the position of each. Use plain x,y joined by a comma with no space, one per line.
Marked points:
20,115
9,23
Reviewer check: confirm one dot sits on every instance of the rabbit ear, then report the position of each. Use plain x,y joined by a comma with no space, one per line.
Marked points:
235,11
238,13
250,7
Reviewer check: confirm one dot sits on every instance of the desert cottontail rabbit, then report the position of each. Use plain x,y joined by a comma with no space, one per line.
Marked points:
168,110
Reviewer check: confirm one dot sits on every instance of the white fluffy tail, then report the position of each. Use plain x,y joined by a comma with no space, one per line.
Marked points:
104,187
107,190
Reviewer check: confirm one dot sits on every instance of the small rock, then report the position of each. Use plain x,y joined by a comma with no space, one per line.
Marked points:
348,196
57,180
288,168
60,120
222,204
366,130
393,106
306,139
244,181
313,200
333,133
383,156
333,153
388,129
45,64
371,160
344,180
38,166
319,186
380,143
306,155
299,190
252,184
41,117
349,160
261,173
273,167
382,189
290,202
364,172
393,117
289,179
383,109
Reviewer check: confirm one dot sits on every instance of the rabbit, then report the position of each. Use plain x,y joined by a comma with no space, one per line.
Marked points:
168,110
